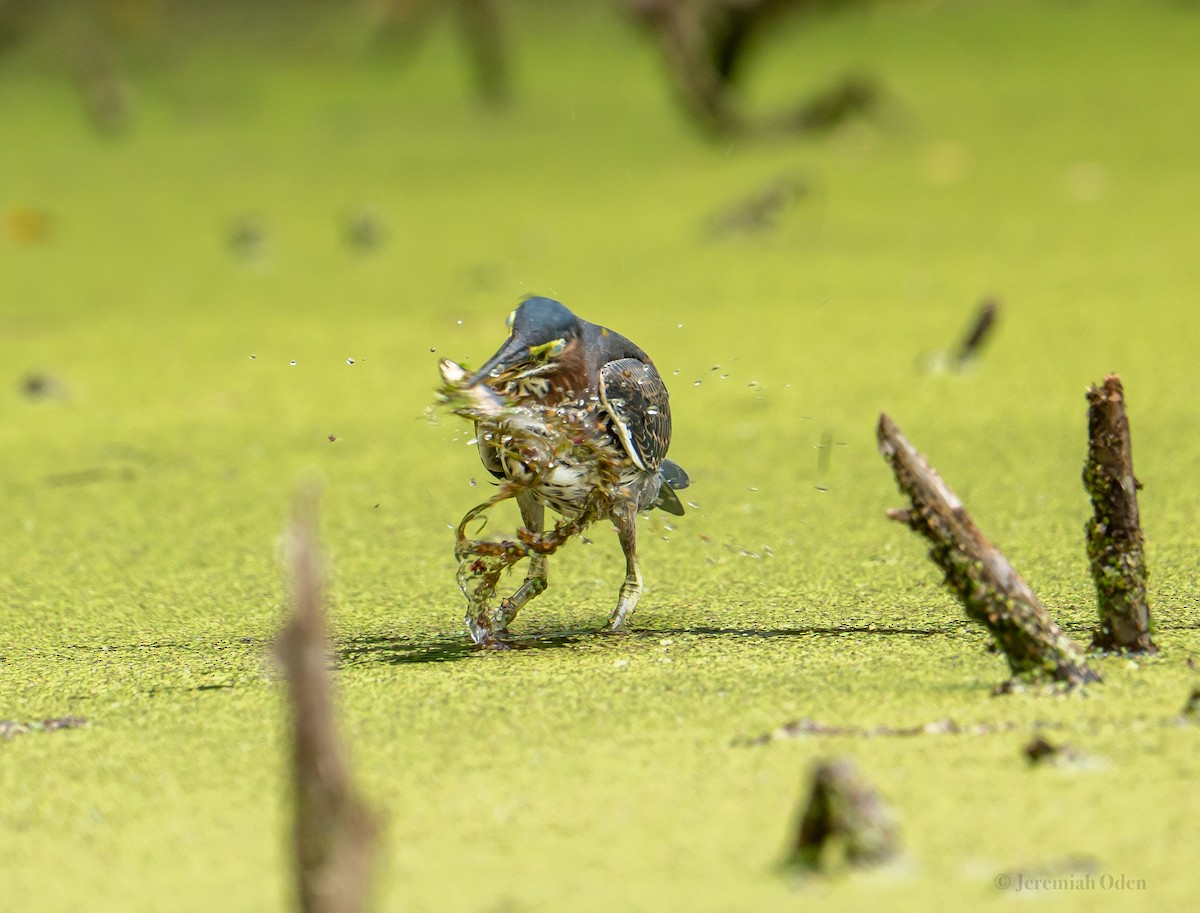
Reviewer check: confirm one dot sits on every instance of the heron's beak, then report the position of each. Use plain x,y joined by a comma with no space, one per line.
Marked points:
513,352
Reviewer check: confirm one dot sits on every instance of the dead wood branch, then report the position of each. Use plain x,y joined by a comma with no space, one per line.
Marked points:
1115,545
705,43
979,332
992,593
334,832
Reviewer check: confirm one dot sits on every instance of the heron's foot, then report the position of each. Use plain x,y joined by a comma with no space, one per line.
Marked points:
508,608
630,594
486,634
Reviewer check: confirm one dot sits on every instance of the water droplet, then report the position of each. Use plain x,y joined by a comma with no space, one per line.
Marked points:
473,483
433,348
693,505
252,357
676,371
293,362
724,377
460,323
680,327
695,383
822,488
751,488
349,361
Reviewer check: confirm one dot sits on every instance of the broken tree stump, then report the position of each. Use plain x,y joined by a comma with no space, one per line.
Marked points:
844,812
1115,546
992,593
334,831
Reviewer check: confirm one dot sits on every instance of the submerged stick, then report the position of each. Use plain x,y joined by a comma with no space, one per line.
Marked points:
334,833
992,593
843,810
1115,545
979,332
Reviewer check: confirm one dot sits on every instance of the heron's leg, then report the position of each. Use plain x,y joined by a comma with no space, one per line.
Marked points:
533,515
631,589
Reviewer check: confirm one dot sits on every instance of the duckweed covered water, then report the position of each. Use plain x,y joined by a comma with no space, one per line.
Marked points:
1044,154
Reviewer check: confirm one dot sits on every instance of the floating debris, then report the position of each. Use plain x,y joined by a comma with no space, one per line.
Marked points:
106,95
805,727
364,231
845,811
823,451
28,225
979,332
42,386
11,728
759,212
1042,751
247,238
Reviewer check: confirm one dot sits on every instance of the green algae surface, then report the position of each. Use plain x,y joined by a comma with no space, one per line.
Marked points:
1042,153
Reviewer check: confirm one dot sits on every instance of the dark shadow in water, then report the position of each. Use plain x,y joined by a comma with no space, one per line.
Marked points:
804,631
444,649
383,648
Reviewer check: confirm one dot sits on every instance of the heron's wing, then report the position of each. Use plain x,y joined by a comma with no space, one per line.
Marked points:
633,393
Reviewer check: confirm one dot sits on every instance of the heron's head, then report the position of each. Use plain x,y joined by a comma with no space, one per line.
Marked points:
540,330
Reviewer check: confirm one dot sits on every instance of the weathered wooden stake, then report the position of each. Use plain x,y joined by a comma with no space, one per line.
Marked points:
1115,544
842,809
992,593
334,832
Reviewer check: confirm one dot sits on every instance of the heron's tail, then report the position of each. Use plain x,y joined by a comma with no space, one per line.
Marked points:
673,479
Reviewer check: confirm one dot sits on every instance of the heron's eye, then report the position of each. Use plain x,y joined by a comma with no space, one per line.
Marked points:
508,321
548,350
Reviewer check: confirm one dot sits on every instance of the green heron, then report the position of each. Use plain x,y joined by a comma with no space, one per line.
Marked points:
555,359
